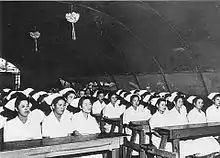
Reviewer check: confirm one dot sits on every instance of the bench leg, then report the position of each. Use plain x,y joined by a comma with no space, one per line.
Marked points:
176,146
133,138
114,153
163,143
142,139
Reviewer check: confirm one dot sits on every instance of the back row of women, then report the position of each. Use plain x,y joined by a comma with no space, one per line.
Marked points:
39,114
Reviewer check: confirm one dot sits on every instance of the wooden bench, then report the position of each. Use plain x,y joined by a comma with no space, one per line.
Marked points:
140,128
183,132
114,122
63,146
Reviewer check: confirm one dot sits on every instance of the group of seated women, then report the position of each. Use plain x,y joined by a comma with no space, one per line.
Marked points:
40,114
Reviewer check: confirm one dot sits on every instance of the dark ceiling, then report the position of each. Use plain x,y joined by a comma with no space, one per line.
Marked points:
112,37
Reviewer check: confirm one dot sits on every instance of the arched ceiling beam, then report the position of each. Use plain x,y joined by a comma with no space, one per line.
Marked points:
133,34
186,45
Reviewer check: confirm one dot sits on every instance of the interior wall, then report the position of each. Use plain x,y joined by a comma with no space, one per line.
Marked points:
189,82
212,81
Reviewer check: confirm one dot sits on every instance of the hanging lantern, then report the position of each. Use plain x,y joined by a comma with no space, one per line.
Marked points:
35,35
72,18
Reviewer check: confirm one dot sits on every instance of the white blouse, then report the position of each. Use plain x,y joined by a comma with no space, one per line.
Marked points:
158,119
51,127
83,125
195,116
113,111
203,145
213,114
177,118
139,114
15,130
97,107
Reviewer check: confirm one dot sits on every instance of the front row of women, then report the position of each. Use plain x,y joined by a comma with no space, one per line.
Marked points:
179,116
59,123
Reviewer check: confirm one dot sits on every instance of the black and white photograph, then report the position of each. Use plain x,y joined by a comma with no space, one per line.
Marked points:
110,79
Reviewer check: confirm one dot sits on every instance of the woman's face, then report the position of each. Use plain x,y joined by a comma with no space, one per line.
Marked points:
113,99
86,106
135,102
101,96
199,104
82,94
23,108
217,101
70,97
162,106
59,107
88,92
179,102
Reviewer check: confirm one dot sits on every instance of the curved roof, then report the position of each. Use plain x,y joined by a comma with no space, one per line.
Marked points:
112,37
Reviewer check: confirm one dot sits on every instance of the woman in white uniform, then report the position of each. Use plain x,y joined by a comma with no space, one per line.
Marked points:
23,126
70,96
158,119
83,123
178,116
205,145
113,109
136,112
213,112
98,106
57,124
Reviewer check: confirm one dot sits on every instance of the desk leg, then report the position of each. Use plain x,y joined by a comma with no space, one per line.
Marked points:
1,138
114,153
163,143
124,152
133,138
176,146
142,139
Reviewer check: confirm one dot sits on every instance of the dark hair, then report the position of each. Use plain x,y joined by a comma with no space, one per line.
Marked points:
133,96
82,99
100,92
68,93
41,97
20,97
16,94
217,95
32,93
110,94
126,94
178,97
122,91
196,98
55,100
136,91
160,100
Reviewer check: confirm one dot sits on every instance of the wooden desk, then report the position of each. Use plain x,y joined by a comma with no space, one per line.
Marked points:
114,122
63,146
183,132
140,128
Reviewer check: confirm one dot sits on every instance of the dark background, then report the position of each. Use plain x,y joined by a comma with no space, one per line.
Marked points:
137,38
